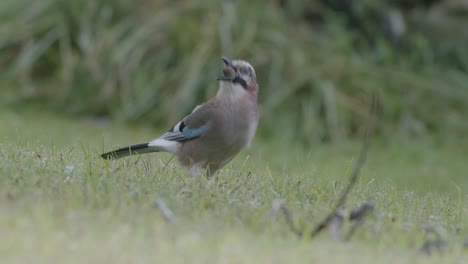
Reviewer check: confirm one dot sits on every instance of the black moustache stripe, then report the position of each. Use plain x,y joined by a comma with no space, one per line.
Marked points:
240,81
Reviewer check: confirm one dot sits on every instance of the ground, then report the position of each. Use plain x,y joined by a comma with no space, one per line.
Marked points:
59,202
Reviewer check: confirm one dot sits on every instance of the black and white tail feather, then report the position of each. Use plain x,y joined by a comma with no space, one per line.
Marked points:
168,142
141,148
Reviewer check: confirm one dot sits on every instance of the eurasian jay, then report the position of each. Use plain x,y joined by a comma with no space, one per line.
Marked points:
216,131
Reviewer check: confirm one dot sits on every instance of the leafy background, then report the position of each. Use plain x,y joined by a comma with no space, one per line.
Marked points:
318,62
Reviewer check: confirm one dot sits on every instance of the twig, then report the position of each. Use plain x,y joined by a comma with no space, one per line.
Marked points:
290,222
431,246
278,205
167,163
165,211
358,215
335,224
434,241
355,173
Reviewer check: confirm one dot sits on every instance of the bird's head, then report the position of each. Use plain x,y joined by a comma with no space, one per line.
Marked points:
238,77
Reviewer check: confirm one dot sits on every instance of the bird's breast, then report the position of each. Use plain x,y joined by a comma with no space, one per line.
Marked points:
243,126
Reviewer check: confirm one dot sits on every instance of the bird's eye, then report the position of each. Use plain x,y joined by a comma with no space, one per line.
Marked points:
246,71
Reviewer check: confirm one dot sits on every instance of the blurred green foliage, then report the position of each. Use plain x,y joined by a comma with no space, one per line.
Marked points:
317,62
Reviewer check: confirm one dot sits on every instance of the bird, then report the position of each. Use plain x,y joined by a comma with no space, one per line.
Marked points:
214,132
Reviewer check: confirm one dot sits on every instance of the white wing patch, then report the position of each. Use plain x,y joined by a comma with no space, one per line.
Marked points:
177,127
164,145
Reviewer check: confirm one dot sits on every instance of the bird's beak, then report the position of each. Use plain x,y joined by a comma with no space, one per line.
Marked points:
227,61
229,71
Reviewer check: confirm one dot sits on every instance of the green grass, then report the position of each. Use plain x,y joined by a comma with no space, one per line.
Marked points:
59,202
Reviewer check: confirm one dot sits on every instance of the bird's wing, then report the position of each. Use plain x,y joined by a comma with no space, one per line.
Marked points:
193,125
181,132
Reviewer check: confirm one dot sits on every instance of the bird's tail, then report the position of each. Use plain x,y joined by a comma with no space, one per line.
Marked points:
141,148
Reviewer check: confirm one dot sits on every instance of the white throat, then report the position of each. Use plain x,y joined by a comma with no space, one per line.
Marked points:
229,91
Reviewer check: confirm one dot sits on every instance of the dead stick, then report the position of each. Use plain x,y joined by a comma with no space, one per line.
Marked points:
357,168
